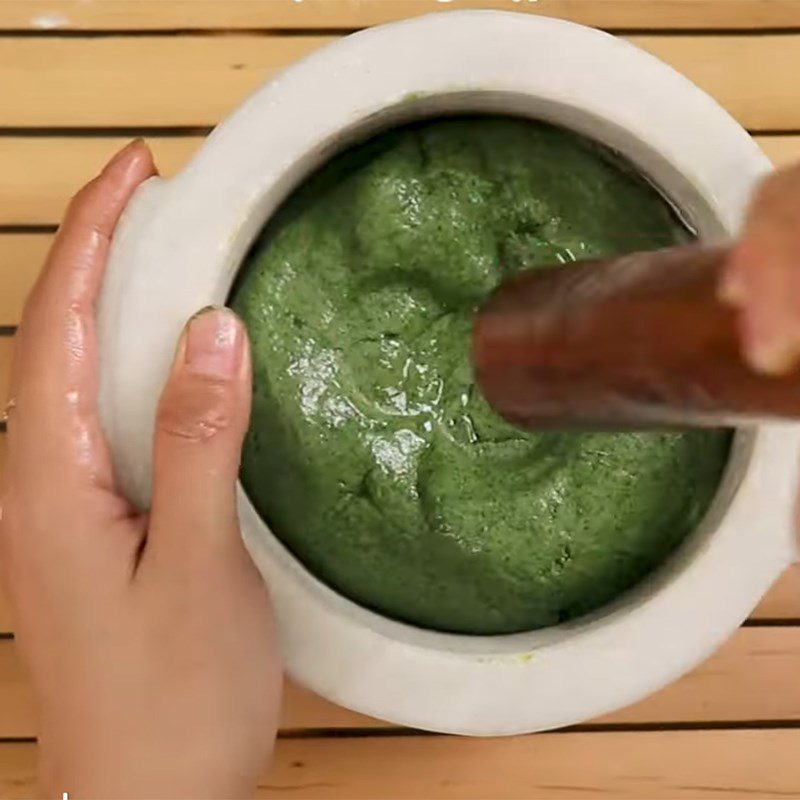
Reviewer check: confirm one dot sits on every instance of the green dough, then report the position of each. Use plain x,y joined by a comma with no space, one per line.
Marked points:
372,456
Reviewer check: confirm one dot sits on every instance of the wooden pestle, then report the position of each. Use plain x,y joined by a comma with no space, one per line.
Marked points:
633,342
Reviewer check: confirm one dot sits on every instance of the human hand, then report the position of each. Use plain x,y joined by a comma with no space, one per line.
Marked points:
148,637
762,278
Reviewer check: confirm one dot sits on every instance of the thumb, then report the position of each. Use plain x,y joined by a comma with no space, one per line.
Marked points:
201,422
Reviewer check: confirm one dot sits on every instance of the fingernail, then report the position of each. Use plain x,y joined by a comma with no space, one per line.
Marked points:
214,343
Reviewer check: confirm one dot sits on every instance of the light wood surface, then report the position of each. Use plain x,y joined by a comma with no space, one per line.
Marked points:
663,765
195,80
671,765
169,69
41,173
295,14
21,258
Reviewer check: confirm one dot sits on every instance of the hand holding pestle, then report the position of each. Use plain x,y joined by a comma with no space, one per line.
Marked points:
695,335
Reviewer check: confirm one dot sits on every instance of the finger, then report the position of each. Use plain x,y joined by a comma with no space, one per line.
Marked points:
54,433
762,278
769,323
201,422
92,215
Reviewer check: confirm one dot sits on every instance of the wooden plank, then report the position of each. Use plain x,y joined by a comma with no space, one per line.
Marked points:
196,80
40,174
752,678
21,258
735,765
659,765
174,80
743,73
250,14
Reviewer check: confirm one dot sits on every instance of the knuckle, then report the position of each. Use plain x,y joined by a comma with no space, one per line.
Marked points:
196,410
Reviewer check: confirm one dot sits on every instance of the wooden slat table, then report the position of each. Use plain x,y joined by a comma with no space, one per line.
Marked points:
80,77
